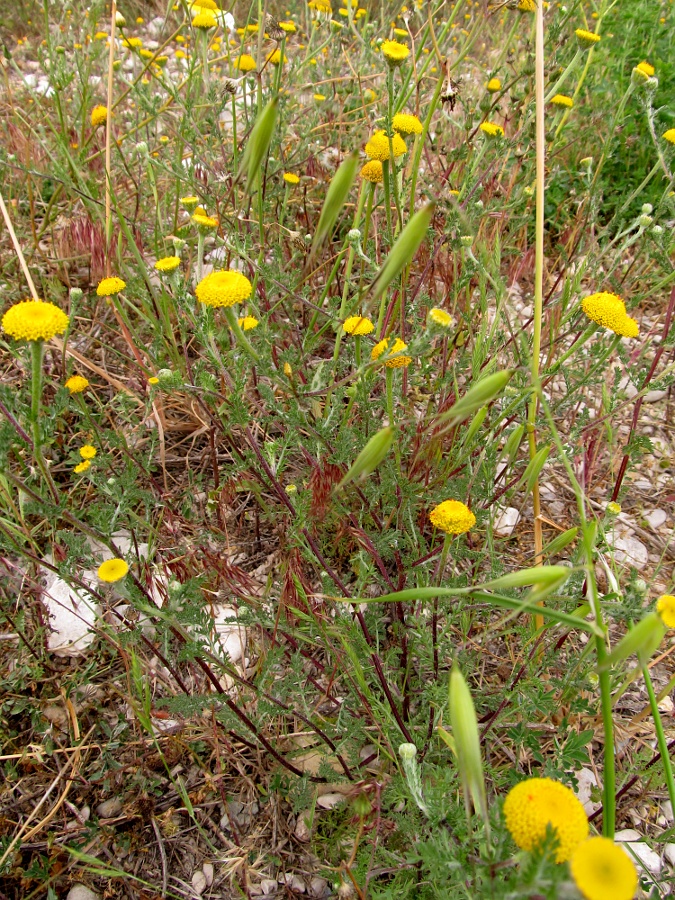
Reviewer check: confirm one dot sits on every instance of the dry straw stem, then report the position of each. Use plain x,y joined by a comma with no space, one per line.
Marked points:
108,138
17,248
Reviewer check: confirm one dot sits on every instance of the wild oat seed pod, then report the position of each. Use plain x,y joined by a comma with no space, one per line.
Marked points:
534,804
110,286
225,288
34,320
602,870
394,52
452,517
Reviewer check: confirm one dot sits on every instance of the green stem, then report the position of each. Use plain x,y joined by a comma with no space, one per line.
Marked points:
37,354
239,335
660,734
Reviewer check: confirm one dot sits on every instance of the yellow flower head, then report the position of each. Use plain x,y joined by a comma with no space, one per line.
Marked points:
288,27
441,318
492,130
34,320
275,57
76,384
603,871
452,517
373,172
494,85
534,804
133,43
99,116
245,63
246,323
319,97
202,221
586,39
358,325
167,264
112,570
291,178
82,467
670,135
223,288
199,5
101,36
394,52
609,311
189,203
562,100
205,20
110,286
87,451
646,68
665,607
394,358
527,5
407,124
378,146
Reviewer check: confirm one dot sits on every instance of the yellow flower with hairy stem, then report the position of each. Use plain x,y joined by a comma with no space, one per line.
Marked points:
224,288
245,63
452,517
288,27
358,325
246,323
394,358
378,146
82,467
291,178
112,570
101,36
527,5
665,607
492,130
34,320
99,116
204,4
405,123
494,85
204,222
394,52
190,203
609,310
534,804
167,263
132,43
669,135
110,286
603,871
562,100
646,68
205,20
76,384
87,451
373,172
586,39
441,318
319,97
275,58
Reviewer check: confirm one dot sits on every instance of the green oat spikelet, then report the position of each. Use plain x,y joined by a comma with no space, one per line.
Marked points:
404,249
258,144
370,457
467,745
338,191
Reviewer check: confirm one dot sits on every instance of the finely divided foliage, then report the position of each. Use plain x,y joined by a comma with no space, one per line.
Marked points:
335,455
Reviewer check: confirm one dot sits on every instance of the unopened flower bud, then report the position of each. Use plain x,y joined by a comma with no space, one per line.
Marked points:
647,209
657,230
466,240
75,294
120,21
645,221
354,236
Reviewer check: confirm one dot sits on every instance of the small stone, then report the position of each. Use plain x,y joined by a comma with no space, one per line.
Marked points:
654,396
669,853
655,518
199,882
268,886
208,871
318,887
108,809
330,801
666,705
81,892
626,835
631,552
506,521
303,830
587,781
294,882
667,810
647,858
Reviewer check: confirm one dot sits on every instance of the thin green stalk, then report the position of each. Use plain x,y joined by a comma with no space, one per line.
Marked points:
239,335
37,354
660,735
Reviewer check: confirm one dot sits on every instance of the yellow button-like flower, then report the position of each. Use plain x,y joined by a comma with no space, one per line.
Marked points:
586,39
34,320
245,63
99,116
394,52
167,263
527,5
562,100
199,5
441,318
204,222
223,288
275,58
609,311
112,570
246,323
646,68
87,451
670,135
603,871
494,85
452,517
394,358
76,384
110,286
358,325
373,171
288,27
405,123
82,467
205,20
492,130
665,607
378,146
534,804
291,178
190,203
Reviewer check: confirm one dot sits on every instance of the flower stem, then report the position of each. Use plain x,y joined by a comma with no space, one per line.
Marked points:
239,335
660,734
37,354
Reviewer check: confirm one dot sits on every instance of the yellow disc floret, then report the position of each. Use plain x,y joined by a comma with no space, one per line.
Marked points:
586,39
245,63
562,100
670,135
167,263
491,129
441,318
665,607
112,570
452,517
394,52
378,147
534,804
603,871
395,359
205,20
494,85
34,320
406,124
246,323
99,116
87,451
76,384
358,325
110,286
609,310
373,171
223,288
